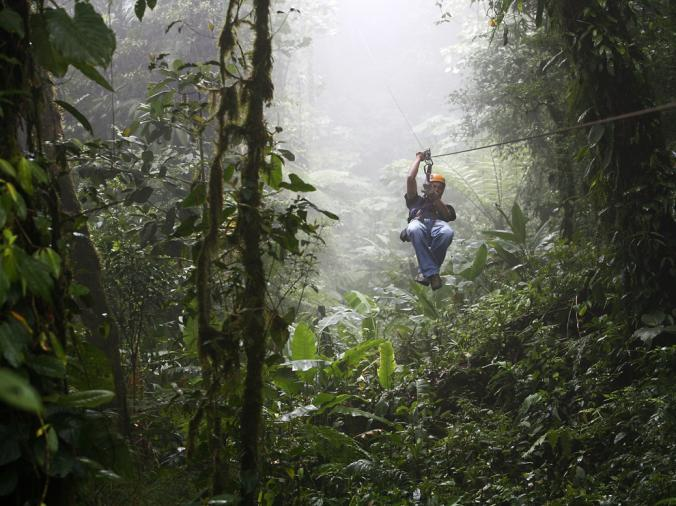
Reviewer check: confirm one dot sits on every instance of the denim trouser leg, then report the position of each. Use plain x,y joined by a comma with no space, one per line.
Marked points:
431,238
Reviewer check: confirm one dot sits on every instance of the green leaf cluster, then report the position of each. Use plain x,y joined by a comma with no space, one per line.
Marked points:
82,40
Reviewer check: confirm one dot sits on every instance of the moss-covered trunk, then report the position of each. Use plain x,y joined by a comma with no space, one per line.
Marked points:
253,324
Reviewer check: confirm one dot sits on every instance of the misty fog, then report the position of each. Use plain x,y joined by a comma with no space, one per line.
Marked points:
360,87
371,90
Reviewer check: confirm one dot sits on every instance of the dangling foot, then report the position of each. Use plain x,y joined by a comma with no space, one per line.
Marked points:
435,281
422,279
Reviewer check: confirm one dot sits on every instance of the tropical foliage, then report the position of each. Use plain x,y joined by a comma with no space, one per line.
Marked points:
172,334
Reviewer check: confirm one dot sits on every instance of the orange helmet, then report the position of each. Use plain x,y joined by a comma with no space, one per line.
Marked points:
437,178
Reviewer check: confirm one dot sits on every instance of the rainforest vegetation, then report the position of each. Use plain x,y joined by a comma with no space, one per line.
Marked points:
204,299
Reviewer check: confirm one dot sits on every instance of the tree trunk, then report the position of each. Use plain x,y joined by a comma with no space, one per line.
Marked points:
85,263
253,300
632,177
42,312
14,76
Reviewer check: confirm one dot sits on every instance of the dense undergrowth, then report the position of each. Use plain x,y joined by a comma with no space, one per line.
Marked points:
537,393
148,372
541,391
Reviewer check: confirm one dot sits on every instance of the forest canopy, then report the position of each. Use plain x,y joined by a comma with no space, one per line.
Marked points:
205,298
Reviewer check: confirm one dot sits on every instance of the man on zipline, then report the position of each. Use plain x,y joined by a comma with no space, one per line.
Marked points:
427,228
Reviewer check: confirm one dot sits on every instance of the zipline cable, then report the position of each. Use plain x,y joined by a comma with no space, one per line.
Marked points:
394,99
611,119
642,112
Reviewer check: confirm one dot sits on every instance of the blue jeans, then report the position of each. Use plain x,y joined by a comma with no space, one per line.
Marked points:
431,238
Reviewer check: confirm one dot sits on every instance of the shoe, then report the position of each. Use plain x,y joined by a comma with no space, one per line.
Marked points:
422,280
435,281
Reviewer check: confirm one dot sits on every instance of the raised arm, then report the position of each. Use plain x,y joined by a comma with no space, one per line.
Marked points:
411,185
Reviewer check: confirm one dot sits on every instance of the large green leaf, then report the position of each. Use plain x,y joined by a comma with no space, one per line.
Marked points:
387,365
425,305
16,198
273,174
36,275
285,379
140,9
82,119
86,398
48,365
17,392
140,195
51,259
93,74
303,343
477,267
327,400
297,184
346,410
42,49
361,303
326,213
508,257
7,168
287,154
11,22
197,196
14,342
305,364
23,176
84,38
352,357
369,327
505,235
647,334
299,412
190,332
541,237
595,134
671,501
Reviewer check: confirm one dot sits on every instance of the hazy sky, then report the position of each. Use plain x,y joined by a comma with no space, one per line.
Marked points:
366,47
378,44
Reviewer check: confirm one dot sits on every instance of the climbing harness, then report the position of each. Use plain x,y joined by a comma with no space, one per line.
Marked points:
427,154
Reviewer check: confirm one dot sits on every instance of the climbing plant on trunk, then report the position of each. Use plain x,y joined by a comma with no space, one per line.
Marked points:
259,92
266,227
45,428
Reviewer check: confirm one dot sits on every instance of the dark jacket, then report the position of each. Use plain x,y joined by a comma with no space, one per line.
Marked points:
420,207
